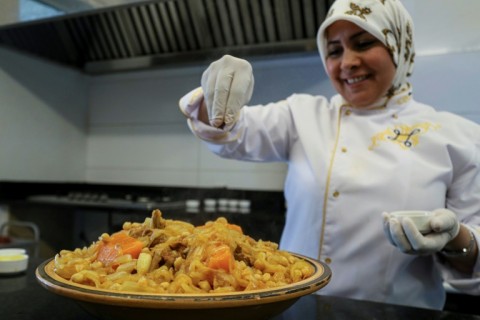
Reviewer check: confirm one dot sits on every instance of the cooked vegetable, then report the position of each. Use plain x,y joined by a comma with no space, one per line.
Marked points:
117,245
220,257
235,227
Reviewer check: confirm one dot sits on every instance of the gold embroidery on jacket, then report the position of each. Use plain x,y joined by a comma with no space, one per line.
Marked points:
403,135
356,10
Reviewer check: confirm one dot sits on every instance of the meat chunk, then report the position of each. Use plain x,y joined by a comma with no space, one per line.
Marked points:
157,221
240,255
167,254
157,238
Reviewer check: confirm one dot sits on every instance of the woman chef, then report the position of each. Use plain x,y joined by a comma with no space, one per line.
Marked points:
369,150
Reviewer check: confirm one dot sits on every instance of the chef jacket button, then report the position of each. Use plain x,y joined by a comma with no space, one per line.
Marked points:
348,112
394,116
344,149
328,260
336,194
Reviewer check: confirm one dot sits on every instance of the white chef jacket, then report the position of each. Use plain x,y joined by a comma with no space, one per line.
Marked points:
345,167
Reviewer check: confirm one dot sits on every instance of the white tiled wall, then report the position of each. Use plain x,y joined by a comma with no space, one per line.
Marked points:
137,134
43,120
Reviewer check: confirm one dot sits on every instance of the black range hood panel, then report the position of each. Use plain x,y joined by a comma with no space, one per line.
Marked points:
155,33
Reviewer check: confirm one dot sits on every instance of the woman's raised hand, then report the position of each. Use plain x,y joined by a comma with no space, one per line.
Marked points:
227,86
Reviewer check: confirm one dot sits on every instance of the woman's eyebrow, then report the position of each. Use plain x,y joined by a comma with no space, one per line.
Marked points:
352,37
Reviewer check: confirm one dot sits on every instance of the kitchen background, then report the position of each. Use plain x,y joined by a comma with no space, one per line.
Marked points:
122,132
59,124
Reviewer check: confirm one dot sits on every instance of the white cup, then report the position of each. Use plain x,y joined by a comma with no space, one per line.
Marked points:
192,203
420,218
209,203
222,202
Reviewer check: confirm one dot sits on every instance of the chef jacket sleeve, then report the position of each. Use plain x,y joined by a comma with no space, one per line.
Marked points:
262,132
464,199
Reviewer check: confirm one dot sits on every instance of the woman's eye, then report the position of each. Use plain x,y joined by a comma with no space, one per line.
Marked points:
366,44
333,52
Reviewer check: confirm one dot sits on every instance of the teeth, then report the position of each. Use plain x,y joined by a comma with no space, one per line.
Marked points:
355,80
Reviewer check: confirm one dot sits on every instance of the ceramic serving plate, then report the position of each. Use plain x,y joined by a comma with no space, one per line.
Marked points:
252,305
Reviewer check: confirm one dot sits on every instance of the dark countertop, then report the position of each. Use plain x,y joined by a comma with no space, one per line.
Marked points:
68,208
22,298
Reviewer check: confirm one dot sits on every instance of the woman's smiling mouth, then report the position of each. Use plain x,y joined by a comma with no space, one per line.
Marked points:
355,79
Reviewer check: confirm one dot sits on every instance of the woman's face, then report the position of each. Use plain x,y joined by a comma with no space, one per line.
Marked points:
358,64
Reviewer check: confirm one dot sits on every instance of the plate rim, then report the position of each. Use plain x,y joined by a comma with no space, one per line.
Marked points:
54,283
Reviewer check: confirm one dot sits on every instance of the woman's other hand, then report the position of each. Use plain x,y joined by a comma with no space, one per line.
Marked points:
404,234
227,86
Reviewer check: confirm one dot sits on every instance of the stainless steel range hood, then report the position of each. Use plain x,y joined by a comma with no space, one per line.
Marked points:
131,34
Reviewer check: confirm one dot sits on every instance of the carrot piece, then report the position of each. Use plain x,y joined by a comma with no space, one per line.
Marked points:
107,253
235,227
130,245
120,243
221,257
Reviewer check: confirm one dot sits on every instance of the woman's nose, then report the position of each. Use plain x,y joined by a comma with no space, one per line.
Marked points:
350,59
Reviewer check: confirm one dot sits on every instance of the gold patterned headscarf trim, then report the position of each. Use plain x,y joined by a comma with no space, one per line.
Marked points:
387,20
398,98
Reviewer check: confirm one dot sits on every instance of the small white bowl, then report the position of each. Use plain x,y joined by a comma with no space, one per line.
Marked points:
209,202
420,218
192,203
13,261
245,204
222,202
232,203
12,251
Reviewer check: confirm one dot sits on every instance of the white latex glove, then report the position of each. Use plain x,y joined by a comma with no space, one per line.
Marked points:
227,86
405,235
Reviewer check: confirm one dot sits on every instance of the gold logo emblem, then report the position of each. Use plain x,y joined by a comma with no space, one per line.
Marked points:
404,136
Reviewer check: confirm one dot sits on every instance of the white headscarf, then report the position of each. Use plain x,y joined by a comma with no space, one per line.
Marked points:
387,20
